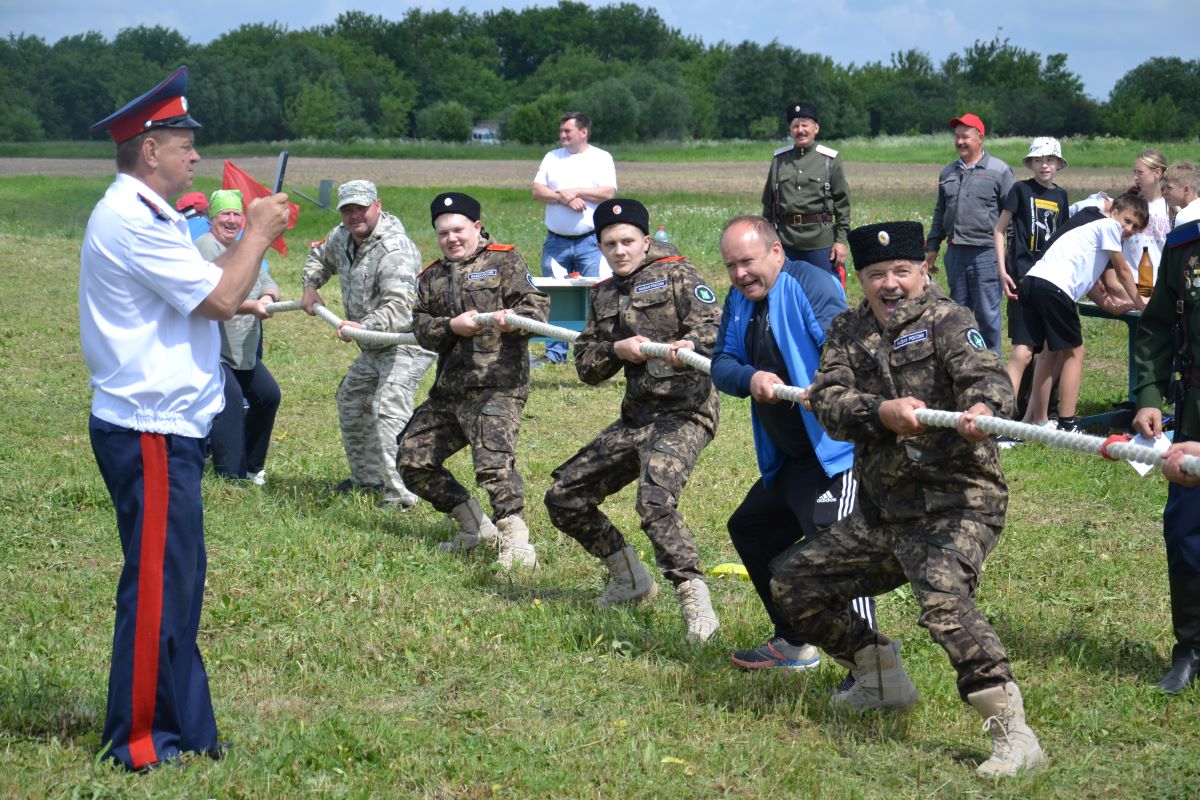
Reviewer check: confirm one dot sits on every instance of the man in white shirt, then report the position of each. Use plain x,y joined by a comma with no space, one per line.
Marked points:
572,180
1181,187
148,306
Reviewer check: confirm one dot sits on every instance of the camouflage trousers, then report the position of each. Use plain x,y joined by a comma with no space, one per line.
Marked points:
939,557
660,456
374,402
488,422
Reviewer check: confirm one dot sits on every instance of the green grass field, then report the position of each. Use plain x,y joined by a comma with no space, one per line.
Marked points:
349,658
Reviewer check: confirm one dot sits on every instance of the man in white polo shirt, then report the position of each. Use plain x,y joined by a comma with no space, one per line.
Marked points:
572,180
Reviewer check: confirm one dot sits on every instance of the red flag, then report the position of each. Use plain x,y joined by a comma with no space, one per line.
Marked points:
237,178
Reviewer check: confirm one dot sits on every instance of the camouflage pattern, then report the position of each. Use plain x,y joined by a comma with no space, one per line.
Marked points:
940,557
378,277
493,278
660,455
931,505
930,350
668,415
796,186
482,381
661,300
375,399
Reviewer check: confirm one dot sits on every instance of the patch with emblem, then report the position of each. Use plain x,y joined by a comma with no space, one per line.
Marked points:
885,238
529,280
487,273
651,286
975,339
616,210
705,294
449,201
910,338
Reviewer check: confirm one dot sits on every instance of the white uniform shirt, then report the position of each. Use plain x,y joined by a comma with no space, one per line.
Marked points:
155,364
1077,259
563,170
1189,213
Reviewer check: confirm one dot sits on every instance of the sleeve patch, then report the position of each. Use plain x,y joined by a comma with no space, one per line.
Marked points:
705,294
975,339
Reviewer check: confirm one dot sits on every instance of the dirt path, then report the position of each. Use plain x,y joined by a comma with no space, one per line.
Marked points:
635,178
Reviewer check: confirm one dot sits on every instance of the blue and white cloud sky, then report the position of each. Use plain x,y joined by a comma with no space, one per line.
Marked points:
1104,39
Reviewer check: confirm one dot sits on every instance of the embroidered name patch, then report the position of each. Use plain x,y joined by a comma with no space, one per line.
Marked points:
910,338
649,287
487,273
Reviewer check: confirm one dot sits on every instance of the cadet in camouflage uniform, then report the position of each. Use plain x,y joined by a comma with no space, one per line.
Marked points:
482,380
931,500
668,415
377,264
806,196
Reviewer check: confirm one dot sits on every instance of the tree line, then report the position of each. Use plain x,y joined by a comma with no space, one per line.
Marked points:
432,74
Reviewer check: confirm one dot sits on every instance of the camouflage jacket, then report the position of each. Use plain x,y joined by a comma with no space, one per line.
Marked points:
664,299
378,277
493,277
929,350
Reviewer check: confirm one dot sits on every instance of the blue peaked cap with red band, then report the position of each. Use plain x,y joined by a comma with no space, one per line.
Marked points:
164,106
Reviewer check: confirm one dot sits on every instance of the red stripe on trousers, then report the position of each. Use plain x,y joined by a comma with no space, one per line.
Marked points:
156,490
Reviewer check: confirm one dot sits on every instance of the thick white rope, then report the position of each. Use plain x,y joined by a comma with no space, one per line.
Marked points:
1079,442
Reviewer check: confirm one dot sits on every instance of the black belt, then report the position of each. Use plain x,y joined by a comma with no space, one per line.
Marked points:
574,238
808,219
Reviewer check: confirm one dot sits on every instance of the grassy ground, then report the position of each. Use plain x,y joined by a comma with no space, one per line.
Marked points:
349,658
1083,151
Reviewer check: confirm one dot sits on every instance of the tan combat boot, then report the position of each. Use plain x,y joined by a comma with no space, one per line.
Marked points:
1015,746
515,549
697,610
628,580
474,528
879,680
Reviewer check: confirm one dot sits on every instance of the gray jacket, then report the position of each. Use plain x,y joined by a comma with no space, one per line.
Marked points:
969,202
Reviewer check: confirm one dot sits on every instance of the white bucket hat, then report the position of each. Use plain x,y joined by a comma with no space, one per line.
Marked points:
1045,146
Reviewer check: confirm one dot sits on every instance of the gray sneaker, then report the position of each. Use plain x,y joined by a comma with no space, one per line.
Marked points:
778,654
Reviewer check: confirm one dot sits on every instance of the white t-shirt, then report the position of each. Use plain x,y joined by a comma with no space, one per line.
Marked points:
1153,238
563,170
1189,213
155,365
1075,262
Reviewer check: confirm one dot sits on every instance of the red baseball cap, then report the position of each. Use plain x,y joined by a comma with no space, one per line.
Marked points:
195,200
970,120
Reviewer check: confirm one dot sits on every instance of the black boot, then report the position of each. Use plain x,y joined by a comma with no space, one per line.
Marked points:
1185,615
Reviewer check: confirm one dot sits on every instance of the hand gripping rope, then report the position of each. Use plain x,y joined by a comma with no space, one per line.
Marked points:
1113,447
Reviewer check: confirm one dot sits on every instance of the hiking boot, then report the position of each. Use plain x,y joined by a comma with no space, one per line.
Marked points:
697,610
1015,747
879,681
628,580
779,654
515,549
474,529
349,485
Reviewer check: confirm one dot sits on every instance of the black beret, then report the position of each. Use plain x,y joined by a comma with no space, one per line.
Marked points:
805,110
454,203
621,210
887,241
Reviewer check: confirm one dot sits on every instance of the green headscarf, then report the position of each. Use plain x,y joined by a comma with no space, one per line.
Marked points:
223,200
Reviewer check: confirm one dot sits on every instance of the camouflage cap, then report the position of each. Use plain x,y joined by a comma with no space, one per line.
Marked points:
887,241
357,193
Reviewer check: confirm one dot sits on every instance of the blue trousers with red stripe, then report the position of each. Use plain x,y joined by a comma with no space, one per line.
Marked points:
158,699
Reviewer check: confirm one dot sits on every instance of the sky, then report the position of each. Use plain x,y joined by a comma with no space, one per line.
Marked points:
1103,39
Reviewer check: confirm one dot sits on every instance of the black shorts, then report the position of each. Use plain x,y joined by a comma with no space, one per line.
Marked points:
1050,315
1018,332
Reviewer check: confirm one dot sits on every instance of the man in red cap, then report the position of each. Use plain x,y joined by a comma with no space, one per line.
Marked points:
971,192
148,306
194,207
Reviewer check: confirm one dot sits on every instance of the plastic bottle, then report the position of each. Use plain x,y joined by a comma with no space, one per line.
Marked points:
1145,274
660,235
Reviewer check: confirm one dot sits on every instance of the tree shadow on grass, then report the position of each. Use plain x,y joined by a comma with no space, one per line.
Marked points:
35,706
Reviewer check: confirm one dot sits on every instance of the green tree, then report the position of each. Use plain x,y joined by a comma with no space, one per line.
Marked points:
536,122
447,121
315,111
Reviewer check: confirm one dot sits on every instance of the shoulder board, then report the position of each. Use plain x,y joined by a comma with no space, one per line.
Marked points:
504,248
317,243
429,266
1187,233
155,210
668,258
607,280
826,151
784,149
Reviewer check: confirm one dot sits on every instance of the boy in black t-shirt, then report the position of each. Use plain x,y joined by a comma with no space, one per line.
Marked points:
1031,213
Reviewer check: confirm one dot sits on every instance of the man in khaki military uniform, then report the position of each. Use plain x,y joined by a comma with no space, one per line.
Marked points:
377,265
806,196
482,380
931,500
668,415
